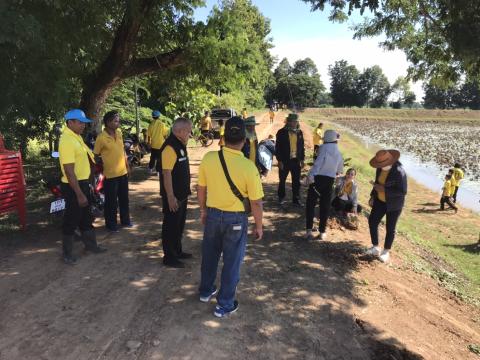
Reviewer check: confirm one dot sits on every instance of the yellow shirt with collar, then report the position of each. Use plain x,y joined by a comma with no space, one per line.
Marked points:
73,150
112,151
317,136
157,132
448,188
382,178
457,176
243,173
206,123
292,136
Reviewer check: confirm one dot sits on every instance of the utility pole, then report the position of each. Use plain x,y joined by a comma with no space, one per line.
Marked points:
137,121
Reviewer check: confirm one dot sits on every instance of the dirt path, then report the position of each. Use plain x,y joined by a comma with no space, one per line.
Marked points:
298,299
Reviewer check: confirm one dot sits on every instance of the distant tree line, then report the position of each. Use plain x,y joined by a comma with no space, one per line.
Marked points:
459,96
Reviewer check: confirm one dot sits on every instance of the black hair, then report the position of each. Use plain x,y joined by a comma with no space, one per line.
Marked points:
352,169
220,122
450,171
457,165
448,176
109,116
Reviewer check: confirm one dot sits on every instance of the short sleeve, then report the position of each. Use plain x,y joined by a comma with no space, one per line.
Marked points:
202,179
67,152
169,157
254,185
97,149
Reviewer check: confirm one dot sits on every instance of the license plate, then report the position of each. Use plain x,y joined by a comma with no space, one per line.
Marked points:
57,205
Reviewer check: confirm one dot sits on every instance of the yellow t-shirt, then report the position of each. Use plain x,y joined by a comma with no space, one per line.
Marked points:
448,188
253,151
157,132
222,136
293,144
347,189
112,152
206,123
381,180
244,175
317,136
169,158
244,114
458,175
72,150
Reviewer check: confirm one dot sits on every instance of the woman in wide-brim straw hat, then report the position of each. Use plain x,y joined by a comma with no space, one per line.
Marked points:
386,199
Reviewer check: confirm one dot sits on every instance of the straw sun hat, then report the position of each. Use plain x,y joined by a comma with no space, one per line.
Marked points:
385,158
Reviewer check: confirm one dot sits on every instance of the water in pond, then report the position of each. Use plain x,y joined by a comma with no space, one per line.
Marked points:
429,174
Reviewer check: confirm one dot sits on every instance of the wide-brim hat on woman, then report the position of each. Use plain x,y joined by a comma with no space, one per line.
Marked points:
250,121
385,158
292,117
330,136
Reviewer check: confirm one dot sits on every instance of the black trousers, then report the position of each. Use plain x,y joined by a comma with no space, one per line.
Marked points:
76,216
154,156
446,199
344,205
379,210
172,229
116,196
291,166
455,194
321,190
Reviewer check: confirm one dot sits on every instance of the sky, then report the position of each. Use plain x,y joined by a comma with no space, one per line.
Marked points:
299,33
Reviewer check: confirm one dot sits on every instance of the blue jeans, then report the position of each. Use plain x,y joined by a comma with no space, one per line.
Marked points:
225,232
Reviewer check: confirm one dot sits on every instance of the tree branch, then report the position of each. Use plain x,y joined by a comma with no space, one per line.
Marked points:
163,61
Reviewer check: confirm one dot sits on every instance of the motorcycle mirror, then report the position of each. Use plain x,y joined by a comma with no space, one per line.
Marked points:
55,154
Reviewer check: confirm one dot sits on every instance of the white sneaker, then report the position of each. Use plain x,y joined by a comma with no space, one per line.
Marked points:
385,256
374,250
323,236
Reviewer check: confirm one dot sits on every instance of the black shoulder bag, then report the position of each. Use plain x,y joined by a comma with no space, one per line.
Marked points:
245,201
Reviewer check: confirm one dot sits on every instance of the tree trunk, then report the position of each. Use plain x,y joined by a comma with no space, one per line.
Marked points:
120,63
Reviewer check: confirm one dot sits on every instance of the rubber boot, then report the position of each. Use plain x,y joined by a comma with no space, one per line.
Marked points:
67,243
89,239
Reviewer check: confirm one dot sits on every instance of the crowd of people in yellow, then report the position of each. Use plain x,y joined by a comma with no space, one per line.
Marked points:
229,189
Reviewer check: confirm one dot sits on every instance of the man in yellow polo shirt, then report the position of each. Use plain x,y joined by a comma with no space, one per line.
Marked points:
157,132
206,122
75,159
457,177
223,215
110,147
317,139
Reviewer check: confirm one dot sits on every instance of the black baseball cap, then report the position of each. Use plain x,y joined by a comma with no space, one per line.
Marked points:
235,130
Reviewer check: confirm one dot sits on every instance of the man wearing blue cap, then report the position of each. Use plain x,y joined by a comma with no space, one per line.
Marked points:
157,133
75,162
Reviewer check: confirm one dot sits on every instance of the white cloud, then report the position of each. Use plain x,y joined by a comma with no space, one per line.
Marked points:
361,53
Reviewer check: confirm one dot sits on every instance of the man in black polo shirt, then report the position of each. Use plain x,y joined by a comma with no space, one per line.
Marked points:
175,189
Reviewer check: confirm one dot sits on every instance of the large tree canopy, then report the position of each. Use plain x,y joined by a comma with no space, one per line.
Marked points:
441,38
55,54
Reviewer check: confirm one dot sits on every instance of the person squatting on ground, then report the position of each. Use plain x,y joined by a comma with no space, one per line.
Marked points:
266,149
386,199
346,193
75,163
224,217
250,149
457,177
317,139
174,170
110,148
290,154
448,190
157,133
327,166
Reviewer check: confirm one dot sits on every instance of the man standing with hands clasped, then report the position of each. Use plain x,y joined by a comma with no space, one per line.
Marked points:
225,180
175,189
290,154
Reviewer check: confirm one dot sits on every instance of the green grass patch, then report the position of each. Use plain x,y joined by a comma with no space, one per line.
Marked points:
445,237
